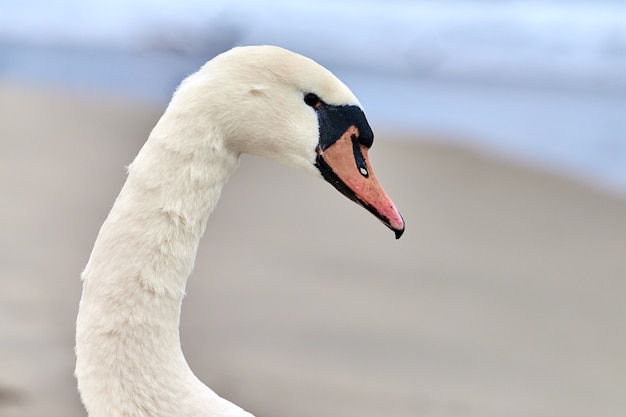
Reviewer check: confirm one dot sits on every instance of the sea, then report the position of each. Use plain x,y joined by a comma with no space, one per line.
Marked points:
543,82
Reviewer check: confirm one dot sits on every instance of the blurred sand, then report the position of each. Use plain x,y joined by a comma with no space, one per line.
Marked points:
505,297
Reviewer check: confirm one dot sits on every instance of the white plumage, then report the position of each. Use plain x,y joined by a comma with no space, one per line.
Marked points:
250,99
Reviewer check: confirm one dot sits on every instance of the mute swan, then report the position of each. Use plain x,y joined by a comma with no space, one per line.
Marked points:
260,100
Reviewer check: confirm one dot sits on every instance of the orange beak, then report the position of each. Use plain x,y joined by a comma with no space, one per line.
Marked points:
345,164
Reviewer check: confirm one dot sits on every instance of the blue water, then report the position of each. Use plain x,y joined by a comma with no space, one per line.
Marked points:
541,81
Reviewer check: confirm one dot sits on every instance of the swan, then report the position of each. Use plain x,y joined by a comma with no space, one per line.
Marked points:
261,100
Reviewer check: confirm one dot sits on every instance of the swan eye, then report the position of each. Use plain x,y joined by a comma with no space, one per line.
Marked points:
312,100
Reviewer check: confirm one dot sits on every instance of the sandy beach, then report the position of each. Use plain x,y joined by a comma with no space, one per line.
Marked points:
505,296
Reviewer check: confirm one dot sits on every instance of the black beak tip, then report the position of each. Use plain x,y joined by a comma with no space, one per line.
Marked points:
399,232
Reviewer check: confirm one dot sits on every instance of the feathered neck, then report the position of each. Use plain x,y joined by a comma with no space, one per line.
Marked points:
129,359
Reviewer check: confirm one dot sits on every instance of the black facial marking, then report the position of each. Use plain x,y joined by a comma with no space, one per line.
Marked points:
335,120
358,157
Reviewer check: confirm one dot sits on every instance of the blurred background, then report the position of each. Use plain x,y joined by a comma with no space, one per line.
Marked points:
501,129
556,70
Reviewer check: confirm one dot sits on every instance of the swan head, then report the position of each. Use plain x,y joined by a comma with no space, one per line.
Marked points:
274,103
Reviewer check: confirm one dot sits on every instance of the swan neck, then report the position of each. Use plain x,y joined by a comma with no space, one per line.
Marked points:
127,340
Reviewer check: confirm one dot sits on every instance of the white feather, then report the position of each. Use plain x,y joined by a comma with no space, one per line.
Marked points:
250,99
